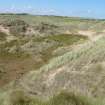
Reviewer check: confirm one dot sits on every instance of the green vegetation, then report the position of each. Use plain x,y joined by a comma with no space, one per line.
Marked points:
59,41
63,98
66,39
17,52
55,41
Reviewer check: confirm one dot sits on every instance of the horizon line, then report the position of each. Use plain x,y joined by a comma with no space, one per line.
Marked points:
26,13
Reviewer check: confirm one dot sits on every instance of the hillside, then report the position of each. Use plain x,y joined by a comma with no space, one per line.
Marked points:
51,60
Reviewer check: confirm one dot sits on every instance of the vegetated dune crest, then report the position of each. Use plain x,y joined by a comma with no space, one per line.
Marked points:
55,64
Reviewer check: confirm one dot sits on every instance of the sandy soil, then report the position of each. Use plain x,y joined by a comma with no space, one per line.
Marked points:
2,29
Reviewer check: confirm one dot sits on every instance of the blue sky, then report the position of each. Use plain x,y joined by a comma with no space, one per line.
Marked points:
81,8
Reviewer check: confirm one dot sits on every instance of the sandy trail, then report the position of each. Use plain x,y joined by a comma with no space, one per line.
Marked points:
93,36
2,29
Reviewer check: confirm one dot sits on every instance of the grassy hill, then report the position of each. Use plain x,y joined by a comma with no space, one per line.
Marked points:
51,60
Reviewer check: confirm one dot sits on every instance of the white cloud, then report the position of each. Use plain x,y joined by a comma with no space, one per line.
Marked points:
45,11
12,7
29,7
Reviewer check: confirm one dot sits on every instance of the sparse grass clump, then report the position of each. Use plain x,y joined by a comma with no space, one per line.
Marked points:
16,26
13,48
2,36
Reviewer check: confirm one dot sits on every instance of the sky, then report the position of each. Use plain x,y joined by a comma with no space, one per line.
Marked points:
76,8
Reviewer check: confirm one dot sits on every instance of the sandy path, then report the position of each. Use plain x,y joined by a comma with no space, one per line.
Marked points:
2,29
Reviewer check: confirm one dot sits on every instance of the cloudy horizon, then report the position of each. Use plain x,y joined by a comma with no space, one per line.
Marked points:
80,8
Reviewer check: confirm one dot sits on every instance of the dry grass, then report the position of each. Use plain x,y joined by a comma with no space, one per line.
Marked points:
80,70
